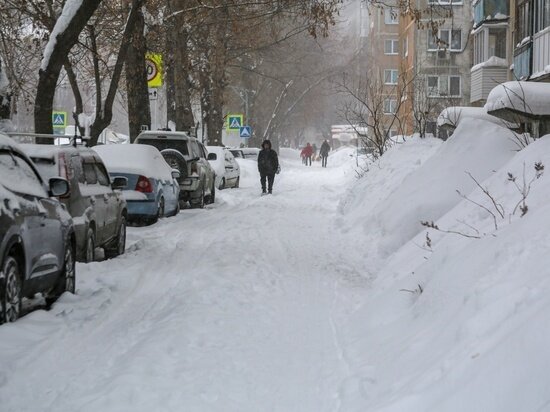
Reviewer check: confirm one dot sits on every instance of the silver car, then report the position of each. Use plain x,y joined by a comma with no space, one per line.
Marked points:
189,156
96,204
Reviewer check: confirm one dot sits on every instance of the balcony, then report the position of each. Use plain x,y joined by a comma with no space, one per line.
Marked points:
490,10
485,76
541,53
522,61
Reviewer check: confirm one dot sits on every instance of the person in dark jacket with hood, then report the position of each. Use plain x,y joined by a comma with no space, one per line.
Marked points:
268,165
325,148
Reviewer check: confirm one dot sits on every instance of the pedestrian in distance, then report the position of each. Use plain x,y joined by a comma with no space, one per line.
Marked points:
268,166
307,152
323,152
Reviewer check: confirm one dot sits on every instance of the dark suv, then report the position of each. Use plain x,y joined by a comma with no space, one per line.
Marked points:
96,205
37,240
189,156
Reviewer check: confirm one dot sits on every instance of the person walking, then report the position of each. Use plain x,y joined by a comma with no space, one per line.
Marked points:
307,152
268,166
323,152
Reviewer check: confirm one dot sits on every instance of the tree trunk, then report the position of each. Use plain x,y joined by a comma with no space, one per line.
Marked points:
5,98
139,109
104,111
183,86
52,64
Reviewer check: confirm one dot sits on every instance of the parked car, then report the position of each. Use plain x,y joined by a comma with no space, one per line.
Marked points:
189,156
237,153
250,152
152,190
37,239
95,203
226,167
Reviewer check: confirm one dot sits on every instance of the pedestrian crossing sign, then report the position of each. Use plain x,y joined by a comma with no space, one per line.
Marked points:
59,119
245,132
234,121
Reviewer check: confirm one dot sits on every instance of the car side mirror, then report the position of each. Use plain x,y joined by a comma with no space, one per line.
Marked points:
119,183
212,156
59,187
176,174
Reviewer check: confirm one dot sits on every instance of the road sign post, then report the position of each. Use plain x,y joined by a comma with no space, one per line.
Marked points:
59,120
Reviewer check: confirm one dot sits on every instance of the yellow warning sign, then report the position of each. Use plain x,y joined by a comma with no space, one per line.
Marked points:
153,64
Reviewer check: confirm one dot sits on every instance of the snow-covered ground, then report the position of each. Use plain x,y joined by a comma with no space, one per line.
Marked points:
309,300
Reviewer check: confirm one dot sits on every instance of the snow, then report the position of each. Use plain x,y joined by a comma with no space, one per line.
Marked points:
452,116
527,97
493,61
135,159
70,9
300,301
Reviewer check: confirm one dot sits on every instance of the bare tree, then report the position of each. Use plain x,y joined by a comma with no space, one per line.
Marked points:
372,108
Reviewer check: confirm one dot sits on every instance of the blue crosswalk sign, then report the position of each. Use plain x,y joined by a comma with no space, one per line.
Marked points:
245,132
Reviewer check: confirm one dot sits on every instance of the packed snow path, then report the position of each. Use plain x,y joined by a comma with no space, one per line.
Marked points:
238,307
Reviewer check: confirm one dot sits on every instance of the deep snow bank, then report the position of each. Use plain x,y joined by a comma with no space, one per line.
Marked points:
476,338
477,147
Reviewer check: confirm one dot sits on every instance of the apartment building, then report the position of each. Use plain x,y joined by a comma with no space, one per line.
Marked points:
531,39
492,52
436,61
383,62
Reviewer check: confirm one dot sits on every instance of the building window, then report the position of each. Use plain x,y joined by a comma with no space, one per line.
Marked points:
489,42
523,26
497,42
390,106
542,15
446,39
393,133
444,86
454,86
391,46
391,16
433,86
390,76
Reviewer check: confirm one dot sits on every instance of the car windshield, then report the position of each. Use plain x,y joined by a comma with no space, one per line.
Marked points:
161,144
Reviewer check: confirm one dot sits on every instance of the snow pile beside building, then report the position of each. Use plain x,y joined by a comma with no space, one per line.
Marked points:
525,97
457,321
477,147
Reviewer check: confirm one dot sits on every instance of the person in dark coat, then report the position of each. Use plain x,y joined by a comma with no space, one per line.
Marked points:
268,166
323,152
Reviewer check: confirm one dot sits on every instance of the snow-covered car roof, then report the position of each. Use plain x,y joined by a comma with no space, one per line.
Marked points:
6,141
48,150
171,135
530,99
451,116
134,159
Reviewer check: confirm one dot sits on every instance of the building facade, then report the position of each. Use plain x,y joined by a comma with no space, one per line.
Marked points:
436,61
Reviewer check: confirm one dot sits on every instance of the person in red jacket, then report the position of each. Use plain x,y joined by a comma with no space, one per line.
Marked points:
307,152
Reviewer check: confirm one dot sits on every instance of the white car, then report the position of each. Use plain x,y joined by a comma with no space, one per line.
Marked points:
228,172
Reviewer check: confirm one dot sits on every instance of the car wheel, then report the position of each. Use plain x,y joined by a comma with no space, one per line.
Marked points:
237,183
222,184
11,292
67,280
90,246
119,244
198,202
